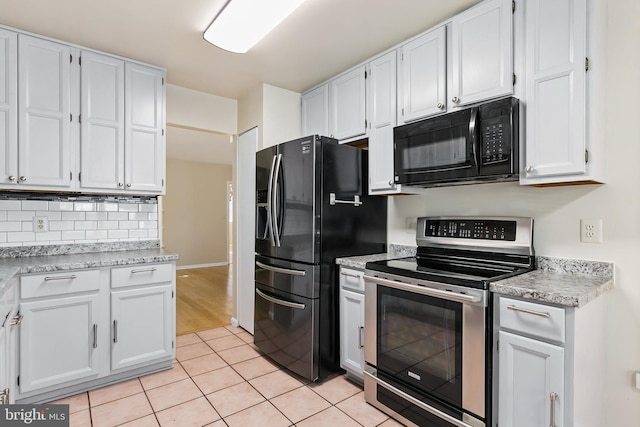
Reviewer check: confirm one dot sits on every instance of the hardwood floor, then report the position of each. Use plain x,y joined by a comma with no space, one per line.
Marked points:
204,299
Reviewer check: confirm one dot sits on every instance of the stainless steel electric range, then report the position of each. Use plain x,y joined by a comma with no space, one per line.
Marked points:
428,319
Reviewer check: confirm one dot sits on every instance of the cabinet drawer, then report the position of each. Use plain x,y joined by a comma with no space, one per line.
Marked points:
534,319
352,279
141,274
66,282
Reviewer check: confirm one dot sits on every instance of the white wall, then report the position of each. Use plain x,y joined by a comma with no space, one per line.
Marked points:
199,110
557,211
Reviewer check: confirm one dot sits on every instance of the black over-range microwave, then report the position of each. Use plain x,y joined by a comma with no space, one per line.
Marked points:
479,143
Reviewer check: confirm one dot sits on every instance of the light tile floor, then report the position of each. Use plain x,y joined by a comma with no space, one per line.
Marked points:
219,379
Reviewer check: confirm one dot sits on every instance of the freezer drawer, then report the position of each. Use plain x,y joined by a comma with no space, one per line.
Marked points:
286,330
290,277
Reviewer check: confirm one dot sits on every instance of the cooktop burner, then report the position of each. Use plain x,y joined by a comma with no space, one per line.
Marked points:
468,252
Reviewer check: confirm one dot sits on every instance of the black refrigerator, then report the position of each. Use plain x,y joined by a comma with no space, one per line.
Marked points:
312,206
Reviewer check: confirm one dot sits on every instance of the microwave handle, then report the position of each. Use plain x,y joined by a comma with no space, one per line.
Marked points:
473,134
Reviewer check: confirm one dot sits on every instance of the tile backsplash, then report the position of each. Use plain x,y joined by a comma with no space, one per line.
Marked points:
77,220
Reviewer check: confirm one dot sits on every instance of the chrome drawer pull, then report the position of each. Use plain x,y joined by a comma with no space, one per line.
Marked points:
360,330
95,335
115,331
49,278
351,275
144,270
544,314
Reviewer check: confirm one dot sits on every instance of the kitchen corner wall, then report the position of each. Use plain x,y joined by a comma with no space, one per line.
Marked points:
76,219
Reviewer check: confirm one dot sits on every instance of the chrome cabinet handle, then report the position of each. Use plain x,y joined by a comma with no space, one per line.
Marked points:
144,270
12,178
281,270
120,184
544,314
23,178
455,100
115,331
128,185
281,302
552,411
360,330
50,278
95,335
350,275
440,105
391,183
529,169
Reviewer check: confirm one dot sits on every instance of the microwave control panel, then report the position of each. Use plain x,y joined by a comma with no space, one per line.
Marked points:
496,140
472,229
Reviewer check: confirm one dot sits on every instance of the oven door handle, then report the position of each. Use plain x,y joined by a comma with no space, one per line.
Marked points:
425,290
280,301
418,403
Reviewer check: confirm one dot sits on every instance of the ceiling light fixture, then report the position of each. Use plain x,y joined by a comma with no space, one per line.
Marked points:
243,23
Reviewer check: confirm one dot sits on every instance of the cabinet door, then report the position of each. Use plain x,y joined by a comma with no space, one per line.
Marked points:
381,113
58,341
530,371
347,105
422,76
352,332
315,111
44,94
144,129
141,326
482,53
8,108
102,127
555,92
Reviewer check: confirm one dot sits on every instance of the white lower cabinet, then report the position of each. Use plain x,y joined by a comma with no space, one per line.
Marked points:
142,325
86,328
58,341
530,370
352,322
551,364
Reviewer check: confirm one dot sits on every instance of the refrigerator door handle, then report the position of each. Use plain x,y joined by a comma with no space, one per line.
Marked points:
269,204
280,301
281,270
274,203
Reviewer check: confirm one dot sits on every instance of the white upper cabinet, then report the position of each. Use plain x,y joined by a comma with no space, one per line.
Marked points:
555,54
347,105
481,53
44,105
315,111
8,107
381,113
102,127
422,78
144,129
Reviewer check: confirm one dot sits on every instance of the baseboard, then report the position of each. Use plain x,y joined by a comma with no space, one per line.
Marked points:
214,264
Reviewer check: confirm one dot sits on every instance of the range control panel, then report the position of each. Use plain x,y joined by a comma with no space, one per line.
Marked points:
471,229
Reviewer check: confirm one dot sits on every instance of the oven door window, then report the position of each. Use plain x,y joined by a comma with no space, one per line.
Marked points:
419,341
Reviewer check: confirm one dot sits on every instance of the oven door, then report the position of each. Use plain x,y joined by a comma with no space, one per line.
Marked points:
440,149
429,337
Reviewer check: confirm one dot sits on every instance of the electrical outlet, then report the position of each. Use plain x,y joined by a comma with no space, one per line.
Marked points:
591,230
40,224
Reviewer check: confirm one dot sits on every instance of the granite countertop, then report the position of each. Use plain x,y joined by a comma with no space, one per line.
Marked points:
570,283
566,282
11,266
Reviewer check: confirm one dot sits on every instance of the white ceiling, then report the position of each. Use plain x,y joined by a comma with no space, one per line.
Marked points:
320,39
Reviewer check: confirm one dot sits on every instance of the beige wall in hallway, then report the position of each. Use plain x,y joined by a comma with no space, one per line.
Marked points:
195,215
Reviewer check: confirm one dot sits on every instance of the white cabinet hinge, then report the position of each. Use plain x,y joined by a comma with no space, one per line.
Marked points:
586,64
163,81
80,176
513,7
163,186
70,117
498,345
80,61
514,79
365,74
162,132
79,118
70,59
586,156
70,176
